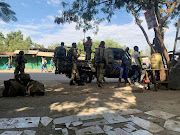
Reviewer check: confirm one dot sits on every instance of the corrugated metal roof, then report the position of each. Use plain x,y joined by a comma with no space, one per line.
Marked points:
6,53
47,54
27,51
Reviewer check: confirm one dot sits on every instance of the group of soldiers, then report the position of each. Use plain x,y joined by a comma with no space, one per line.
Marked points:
72,54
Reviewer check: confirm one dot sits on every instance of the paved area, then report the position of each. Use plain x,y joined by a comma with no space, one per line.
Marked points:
82,110
100,120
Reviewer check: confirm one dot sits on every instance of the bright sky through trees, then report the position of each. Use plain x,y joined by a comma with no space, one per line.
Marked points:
36,19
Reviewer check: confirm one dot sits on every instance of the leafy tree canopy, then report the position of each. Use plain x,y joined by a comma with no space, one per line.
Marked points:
86,12
6,14
14,41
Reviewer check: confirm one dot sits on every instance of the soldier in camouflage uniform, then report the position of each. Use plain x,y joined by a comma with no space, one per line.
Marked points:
87,48
74,73
100,62
60,55
19,63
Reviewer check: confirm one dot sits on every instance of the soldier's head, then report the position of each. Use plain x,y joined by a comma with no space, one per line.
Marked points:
62,43
74,45
102,44
136,48
21,53
88,38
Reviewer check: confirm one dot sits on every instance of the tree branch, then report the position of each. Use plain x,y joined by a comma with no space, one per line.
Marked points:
163,9
140,26
170,10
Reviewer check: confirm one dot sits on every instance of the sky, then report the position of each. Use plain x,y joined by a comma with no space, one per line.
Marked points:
36,19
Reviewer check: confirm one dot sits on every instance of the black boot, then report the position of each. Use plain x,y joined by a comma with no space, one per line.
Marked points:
80,83
100,85
71,82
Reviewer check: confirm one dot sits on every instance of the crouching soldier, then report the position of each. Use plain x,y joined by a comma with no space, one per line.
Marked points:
74,73
100,62
19,63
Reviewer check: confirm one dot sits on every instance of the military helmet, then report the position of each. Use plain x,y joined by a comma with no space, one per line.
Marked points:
62,43
21,53
74,45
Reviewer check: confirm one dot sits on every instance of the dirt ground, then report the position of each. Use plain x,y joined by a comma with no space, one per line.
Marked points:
61,100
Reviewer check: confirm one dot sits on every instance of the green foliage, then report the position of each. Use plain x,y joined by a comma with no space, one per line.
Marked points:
14,41
53,46
88,13
6,14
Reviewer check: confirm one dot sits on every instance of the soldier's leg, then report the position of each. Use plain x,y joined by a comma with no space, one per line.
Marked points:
88,54
73,74
101,75
98,72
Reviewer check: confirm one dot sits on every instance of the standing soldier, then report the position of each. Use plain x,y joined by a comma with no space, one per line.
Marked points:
100,62
19,63
60,55
87,48
74,73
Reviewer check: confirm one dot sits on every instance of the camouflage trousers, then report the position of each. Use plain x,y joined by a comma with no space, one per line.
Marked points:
100,72
88,55
19,68
75,72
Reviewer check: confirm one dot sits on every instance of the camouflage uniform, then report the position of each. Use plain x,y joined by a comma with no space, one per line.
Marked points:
19,67
87,48
74,72
60,54
100,63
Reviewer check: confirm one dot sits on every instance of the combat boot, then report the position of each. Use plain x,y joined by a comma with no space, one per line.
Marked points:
80,83
100,85
71,82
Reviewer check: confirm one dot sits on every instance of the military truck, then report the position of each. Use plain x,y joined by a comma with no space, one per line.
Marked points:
87,69
113,58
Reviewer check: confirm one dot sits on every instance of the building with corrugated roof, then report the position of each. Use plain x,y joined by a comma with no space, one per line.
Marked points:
33,57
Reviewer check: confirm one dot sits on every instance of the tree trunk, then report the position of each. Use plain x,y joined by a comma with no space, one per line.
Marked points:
163,49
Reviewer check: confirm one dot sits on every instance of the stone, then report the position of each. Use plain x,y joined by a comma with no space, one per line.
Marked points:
23,122
141,132
178,118
172,125
114,118
131,123
160,114
29,132
88,117
66,119
110,132
129,111
154,128
119,131
101,122
127,130
65,131
77,123
130,127
68,124
12,133
89,130
107,128
46,120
